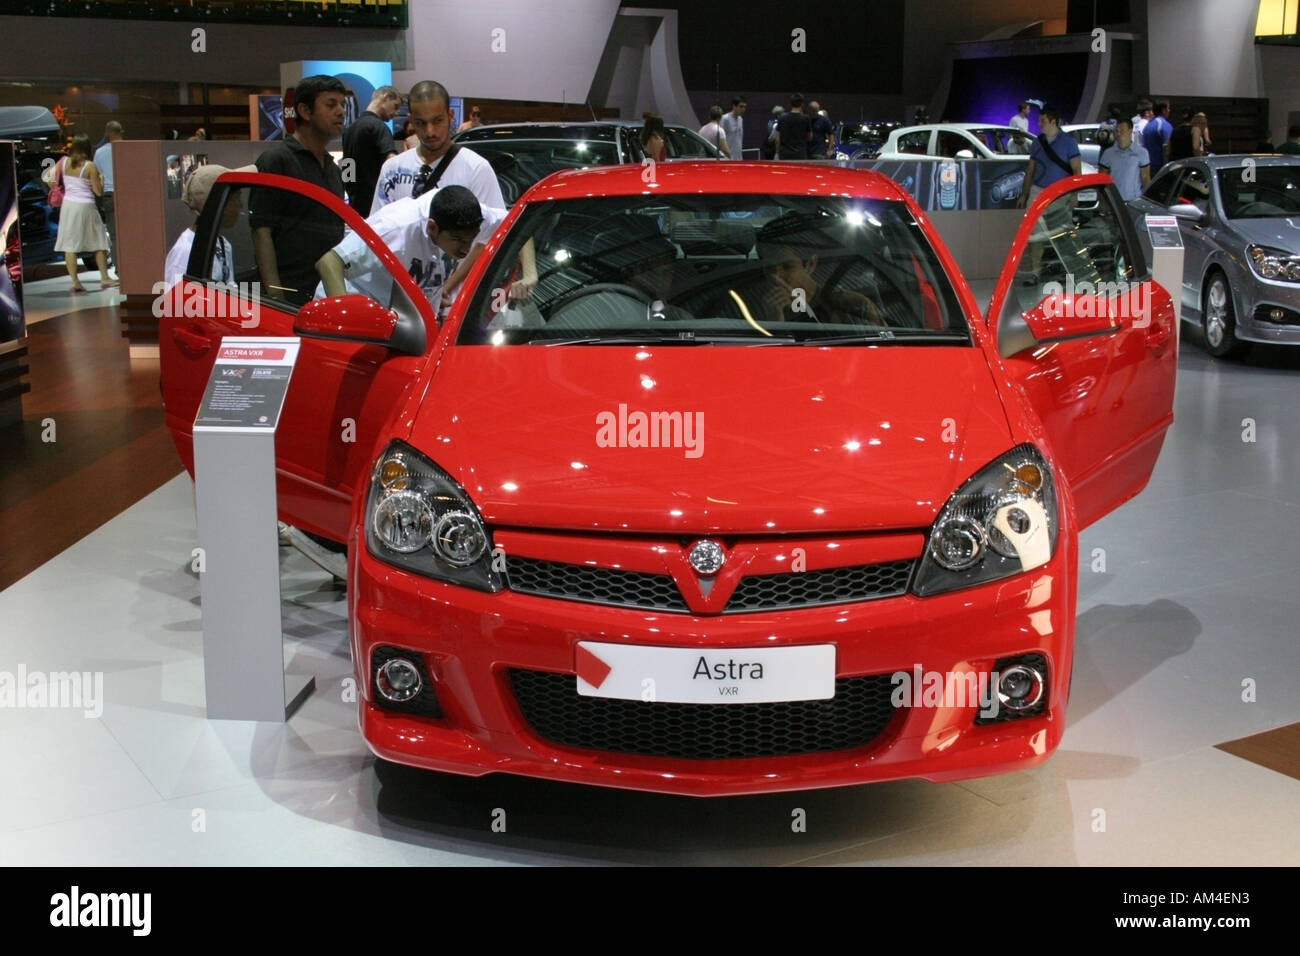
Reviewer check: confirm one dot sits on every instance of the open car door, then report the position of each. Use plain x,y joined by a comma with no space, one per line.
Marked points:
360,352
1088,337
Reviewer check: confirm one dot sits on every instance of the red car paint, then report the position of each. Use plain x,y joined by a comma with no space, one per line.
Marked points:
837,453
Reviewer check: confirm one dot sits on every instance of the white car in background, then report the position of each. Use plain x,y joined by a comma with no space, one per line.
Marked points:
962,141
1091,141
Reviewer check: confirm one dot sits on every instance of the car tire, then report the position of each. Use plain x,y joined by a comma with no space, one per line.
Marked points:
1219,318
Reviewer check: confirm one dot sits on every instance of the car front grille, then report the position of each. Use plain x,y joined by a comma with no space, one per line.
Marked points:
855,717
576,582
865,582
766,592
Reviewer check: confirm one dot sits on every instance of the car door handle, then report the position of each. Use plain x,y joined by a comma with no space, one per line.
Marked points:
1157,337
193,344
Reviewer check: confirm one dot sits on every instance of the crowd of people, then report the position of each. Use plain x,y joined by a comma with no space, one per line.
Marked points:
434,205
796,133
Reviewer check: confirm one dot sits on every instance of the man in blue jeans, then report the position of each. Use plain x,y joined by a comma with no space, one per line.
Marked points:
1052,157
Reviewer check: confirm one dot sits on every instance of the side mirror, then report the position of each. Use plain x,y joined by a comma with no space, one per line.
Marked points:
1064,315
348,318
1185,210
964,154
1057,318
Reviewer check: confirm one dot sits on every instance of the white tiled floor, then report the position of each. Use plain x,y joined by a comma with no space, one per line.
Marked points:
1198,594
48,298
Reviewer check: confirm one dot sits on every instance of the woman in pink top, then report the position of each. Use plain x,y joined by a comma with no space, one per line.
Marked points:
80,228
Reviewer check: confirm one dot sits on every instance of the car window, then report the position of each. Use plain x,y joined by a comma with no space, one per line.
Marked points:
715,268
917,142
1193,189
1162,187
951,141
1005,142
296,233
520,163
1086,249
683,145
1257,191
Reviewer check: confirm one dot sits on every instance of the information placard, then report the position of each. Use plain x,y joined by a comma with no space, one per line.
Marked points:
1164,233
249,380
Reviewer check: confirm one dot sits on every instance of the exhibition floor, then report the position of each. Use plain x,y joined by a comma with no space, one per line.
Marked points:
1197,595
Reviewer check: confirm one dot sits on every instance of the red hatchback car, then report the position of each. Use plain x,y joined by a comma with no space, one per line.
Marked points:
716,483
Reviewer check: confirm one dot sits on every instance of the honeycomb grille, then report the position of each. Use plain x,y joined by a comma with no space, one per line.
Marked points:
553,708
576,582
832,586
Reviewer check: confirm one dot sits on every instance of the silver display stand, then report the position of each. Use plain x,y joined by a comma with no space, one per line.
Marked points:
1167,263
234,488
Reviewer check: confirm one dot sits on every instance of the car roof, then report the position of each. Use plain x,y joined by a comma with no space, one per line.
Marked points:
711,176
491,130
1237,160
964,126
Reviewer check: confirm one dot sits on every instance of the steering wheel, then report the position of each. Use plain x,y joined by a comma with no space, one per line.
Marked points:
621,288
1258,209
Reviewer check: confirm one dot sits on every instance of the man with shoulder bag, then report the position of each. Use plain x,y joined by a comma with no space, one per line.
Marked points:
1052,157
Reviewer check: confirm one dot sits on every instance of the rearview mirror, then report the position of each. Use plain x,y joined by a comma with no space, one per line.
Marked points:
349,318
964,154
1185,210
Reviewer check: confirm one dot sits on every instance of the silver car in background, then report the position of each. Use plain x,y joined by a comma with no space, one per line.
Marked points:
1239,217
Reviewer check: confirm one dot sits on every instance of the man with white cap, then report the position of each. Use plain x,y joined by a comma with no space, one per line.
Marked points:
195,194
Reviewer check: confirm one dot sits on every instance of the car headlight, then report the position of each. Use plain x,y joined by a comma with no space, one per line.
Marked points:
1001,522
1276,264
419,518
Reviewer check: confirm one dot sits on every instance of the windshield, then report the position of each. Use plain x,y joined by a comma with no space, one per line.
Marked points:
520,163
708,269
1004,142
1270,191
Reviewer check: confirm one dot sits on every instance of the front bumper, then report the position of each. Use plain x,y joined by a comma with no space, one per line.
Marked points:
470,641
1257,299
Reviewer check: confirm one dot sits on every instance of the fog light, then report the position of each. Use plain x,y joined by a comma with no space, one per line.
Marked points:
1276,315
398,680
1019,688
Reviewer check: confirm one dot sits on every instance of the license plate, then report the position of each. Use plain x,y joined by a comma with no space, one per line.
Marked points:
745,675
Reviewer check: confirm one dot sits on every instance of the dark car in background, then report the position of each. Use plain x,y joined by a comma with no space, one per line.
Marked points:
38,223
37,136
523,153
861,140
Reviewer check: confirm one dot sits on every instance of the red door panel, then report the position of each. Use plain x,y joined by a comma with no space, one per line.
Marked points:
1105,397
341,394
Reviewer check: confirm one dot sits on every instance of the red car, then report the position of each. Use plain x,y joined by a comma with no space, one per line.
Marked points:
733,491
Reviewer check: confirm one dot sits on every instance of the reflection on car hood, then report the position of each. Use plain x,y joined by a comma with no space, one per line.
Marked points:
772,440
1281,232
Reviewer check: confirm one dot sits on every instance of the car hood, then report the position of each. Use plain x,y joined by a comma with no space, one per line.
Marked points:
1282,232
771,439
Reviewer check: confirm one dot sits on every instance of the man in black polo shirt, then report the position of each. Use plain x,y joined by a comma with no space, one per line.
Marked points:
368,143
291,232
793,131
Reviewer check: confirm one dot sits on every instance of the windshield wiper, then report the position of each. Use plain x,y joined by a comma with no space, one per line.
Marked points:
891,336
681,337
